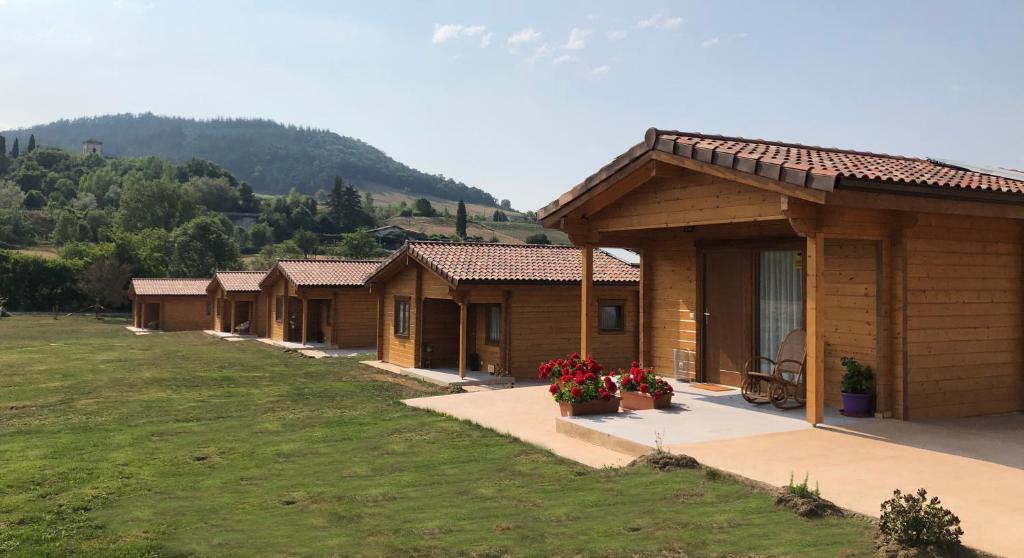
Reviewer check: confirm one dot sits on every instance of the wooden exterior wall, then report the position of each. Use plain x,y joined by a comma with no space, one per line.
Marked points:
177,313
281,287
356,318
399,350
964,316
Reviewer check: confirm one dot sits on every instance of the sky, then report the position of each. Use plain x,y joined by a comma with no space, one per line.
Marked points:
526,99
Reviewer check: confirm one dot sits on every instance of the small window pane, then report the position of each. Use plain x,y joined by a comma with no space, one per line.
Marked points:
493,324
278,308
402,317
611,317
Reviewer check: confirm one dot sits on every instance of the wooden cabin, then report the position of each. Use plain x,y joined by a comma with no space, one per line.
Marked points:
499,308
912,266
322,302
234,298
169,304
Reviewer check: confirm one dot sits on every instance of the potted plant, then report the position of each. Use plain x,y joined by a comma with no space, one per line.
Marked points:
642,389
855,388
580,387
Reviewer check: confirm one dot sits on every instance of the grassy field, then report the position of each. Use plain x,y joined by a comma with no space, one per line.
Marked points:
180,444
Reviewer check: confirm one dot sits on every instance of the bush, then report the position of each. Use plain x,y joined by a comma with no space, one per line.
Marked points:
643,380
539,238
914,521
857,378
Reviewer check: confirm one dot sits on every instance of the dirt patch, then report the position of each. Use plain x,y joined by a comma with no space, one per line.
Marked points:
665,461
809,506
888,548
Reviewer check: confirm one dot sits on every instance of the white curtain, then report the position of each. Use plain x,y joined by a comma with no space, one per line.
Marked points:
781,299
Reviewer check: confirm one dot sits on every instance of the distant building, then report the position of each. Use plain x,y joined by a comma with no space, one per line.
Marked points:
392,237
92,146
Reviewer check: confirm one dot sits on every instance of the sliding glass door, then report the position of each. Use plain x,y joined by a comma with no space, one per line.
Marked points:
780,298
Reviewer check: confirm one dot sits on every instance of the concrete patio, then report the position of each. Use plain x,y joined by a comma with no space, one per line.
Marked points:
447,377
976,465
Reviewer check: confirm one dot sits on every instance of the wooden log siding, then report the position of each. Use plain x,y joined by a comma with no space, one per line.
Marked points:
400,350
692,199
964,318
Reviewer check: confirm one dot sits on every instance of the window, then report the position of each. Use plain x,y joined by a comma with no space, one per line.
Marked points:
493,324
220,311
611,316
278,308
402,316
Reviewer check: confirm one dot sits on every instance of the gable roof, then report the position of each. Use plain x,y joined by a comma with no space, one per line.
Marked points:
322,273
239,281
820,168
464,262
168,287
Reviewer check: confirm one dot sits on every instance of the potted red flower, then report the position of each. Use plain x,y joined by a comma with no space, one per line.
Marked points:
643,389
580,386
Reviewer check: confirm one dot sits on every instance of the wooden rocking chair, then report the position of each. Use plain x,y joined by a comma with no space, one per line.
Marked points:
785,385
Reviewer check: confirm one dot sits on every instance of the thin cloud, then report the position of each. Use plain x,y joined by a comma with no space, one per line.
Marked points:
657,21
541,52
601,70
577,39
563,59
617,35
521,37
473,30
708,43
485,41
446,32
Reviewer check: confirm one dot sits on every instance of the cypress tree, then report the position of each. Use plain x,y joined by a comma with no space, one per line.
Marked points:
3,146
460,220
31,143
15,150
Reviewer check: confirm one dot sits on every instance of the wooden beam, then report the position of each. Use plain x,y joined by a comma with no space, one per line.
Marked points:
924,204
644,310
815,321
800,192
234,305
380,324
586,295
802,216
463,336
415,321
506,332
305,317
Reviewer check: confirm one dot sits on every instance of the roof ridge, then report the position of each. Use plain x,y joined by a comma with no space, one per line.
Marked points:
660,132
170,279
501,244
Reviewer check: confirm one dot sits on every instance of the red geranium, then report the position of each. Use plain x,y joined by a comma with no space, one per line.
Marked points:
643,380
575,380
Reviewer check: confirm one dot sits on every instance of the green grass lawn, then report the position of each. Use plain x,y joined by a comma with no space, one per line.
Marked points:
180,444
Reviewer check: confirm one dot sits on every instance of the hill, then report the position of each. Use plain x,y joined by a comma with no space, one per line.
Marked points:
509,232
271,157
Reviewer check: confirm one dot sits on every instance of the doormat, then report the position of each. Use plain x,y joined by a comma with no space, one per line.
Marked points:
712,387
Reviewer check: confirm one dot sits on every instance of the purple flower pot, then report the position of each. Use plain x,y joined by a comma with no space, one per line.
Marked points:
856,404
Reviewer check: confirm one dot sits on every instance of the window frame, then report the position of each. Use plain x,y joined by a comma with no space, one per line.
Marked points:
397,322
488,340
614,303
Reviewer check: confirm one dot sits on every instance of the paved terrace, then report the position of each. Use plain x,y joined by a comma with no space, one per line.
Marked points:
976,466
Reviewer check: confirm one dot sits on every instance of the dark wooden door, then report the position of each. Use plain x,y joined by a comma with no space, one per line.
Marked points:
728,314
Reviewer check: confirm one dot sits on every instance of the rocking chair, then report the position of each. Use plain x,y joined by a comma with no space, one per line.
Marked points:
784,386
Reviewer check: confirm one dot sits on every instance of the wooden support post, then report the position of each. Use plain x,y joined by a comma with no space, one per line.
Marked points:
586,294
463,336
142,315
305,318
380,322
232,324
643,321
506,333
815,368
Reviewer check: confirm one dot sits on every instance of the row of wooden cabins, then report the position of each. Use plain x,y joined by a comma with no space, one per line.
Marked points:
495,308
913,266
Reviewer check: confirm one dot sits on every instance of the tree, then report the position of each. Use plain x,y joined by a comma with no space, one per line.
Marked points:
359,245
3,147
506,204
31,143
202,246
346,208
260,235
307,241
159,203
336,200
247,200
499,216
539,238
423,208
216,194
147,252
368,206
105,282
15,150
35,200
460,220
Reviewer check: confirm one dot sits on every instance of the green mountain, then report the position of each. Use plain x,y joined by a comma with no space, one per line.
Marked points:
271,157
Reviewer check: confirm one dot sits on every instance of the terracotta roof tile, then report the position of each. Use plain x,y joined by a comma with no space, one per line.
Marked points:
805,165
328,273
240,281
511,263
169,287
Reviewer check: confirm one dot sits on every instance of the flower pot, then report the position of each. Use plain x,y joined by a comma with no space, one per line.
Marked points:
856,404
595,407
636,401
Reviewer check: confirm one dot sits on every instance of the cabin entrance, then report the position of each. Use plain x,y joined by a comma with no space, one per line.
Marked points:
242,317
293,325
317,320
440,335
752,297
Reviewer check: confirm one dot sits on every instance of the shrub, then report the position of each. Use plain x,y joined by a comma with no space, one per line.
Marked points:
643,380
574,380
915,521
802,489
857,378
539,238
